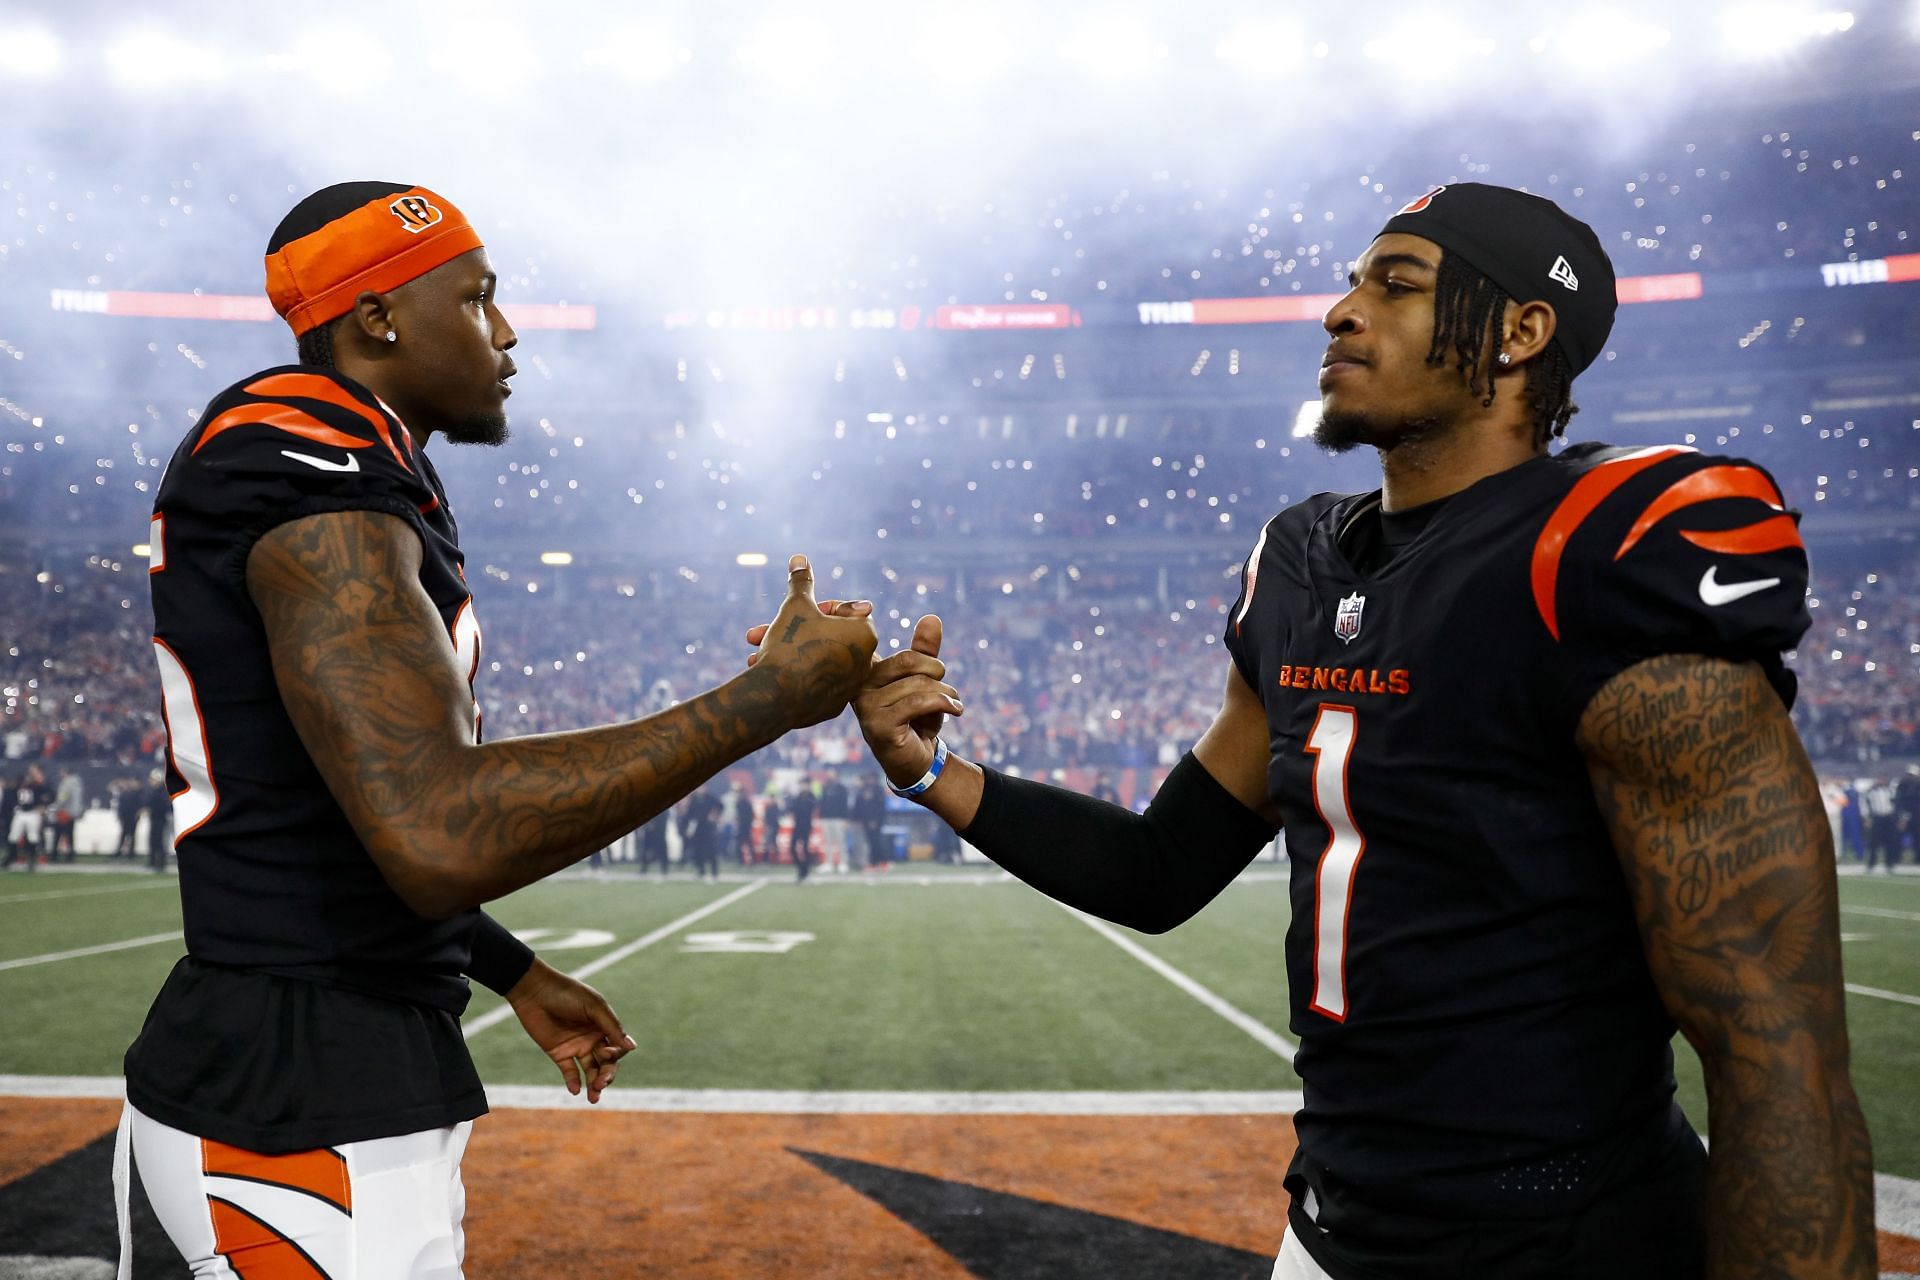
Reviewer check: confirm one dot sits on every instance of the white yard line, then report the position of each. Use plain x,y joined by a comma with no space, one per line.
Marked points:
475,1025
88,893
1879,994
126,945
1885,913
904,1103
1265,1036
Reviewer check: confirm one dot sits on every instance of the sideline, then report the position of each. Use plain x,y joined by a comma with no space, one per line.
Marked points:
475,1025
1265,1036
1896,1199
1878,994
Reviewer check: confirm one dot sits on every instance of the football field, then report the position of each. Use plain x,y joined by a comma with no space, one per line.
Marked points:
928,1072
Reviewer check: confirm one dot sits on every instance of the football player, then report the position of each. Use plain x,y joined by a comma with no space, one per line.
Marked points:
300,1095
1523,718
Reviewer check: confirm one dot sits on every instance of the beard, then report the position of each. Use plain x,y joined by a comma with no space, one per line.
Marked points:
480,428
1343,432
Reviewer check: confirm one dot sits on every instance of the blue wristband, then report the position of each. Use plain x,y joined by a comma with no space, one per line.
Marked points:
931,776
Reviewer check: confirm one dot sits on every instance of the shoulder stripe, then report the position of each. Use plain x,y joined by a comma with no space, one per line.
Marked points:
1702,486
311,386
1775,534
1253,574
283,417
1587,494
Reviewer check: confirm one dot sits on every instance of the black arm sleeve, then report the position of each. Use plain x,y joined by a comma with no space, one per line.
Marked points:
499,959
1147,871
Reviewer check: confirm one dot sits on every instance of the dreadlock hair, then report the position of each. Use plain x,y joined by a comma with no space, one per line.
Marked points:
1469,313
316,346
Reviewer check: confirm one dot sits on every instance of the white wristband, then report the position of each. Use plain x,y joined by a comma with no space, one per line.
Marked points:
931,776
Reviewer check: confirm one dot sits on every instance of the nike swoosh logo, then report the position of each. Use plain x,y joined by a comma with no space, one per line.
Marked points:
351,464
1719,593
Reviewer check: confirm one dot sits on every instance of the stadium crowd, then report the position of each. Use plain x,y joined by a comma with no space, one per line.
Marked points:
1107,671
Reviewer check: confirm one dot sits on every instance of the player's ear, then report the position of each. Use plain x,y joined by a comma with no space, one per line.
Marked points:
371,319
1530,326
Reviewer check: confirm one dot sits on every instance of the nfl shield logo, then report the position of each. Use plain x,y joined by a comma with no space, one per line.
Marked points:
1346,623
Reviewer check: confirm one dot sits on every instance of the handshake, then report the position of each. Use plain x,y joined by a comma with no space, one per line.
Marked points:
819,657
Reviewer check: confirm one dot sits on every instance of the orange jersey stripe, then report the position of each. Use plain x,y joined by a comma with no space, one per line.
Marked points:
1768,535
1702,486
321,1173
1592,489
311,386
282,417
255,1250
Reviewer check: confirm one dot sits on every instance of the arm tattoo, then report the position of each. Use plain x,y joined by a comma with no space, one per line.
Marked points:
368,676
1717,818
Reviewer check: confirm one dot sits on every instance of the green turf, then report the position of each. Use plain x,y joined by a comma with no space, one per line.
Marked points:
948,986
953,986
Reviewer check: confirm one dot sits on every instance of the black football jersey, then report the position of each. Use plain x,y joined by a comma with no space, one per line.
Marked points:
273,879
1479,1033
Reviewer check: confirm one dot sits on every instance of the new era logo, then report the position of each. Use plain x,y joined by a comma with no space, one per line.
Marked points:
1564,274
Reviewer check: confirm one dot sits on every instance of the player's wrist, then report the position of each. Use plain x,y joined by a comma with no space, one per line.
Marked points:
914,785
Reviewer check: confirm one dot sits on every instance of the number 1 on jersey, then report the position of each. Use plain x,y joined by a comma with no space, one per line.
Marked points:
1331,746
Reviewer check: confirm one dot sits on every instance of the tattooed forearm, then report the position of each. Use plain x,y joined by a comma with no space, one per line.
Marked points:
368,677
1717,818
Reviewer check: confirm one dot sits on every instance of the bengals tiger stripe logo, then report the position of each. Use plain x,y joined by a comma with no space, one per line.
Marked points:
416,213
1769,533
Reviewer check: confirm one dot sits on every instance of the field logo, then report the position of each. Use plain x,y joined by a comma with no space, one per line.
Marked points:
748,942
416,213
1562,273
1346,622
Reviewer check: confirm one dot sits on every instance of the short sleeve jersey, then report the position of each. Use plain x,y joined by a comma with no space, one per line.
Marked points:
1479,1033
273,880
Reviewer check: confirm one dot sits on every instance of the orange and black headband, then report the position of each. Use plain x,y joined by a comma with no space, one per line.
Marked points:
353,237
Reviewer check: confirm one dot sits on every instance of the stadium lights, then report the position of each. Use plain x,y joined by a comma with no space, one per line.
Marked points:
1427,49
324,53
1604,42
960,48
1117,47
1768,30
556,557
791,52
29,53
750,559
1266,47
144,550
149,58
484,55
639,53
